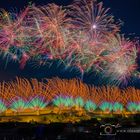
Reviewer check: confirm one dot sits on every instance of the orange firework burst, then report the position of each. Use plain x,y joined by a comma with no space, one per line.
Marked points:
61,91
109,94
72,88
131,95
6,93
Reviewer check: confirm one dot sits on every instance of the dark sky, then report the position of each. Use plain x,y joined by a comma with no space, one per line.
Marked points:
126,10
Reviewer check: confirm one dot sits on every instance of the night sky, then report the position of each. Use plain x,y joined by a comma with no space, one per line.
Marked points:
126,10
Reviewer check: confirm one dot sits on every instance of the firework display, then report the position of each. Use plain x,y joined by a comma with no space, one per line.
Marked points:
66,94
83,34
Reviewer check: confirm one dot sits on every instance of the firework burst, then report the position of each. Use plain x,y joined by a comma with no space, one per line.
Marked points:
83,35
34,95
92,18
